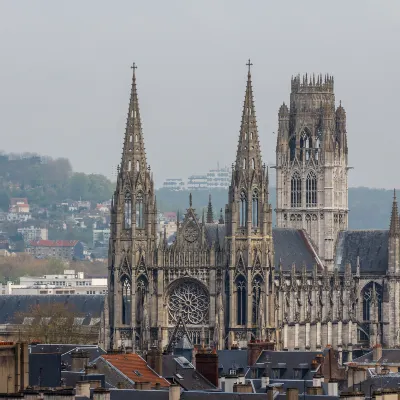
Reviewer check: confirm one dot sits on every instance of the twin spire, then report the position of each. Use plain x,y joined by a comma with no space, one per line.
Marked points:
248,152
134,155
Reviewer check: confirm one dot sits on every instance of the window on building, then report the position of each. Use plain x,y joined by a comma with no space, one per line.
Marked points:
311,190
241,300
254,209
243,209
372,296
126,300
128,211
292,147
305,145
295,189
256,299
139,211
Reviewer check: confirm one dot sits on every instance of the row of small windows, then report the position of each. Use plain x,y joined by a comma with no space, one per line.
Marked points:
128,211
251,135
296,192
130,165
136,138
243,209
306,146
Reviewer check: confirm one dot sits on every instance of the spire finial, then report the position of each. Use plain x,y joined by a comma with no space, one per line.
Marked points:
190,200
394,229
394,194
249,64
134,66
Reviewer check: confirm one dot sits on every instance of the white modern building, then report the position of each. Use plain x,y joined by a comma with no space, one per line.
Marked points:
197,182
101,235
219,178
68,282
33,233
174,184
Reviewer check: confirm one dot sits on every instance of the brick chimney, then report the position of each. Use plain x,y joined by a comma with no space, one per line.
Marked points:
101,394
154,359
82,388
254,350
292,394
207,365
79,360
174,392
242,388
377,352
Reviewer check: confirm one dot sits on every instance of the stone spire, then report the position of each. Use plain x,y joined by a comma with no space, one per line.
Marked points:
221,218
210,216
133,155
394,229
248,152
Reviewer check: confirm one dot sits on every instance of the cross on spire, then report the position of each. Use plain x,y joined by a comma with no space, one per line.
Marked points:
249,64
134,66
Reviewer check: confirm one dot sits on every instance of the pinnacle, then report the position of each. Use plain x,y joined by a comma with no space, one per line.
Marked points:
394,229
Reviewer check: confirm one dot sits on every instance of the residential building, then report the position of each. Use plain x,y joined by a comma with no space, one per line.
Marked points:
174,184
62,249
19,205
219,178
18,217
101,236
197,182
33,233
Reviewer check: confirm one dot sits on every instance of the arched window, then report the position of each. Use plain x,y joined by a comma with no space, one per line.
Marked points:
244,163
256,299
140,297
253,164
368,298
254,209
292,147
126,300
243,209
139,211
128,211
311,190
129,165
241,300
130,138
251,135
295,188
305,145
137,166
136,138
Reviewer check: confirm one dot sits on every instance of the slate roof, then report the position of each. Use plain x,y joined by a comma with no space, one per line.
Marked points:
134,367
89,306
132,394
389,356
189,378
293,246
287,362
221,396
93,353
231,359
371,246
215,233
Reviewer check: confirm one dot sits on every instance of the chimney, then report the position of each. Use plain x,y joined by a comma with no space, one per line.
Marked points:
264,380
242,388
101,394
207,365
174,392
254,350
79,360
377,352
292,394
64,394
333,388
143,385
154,360
94,383
82,388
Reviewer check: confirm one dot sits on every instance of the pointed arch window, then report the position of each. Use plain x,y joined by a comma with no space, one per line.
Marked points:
253,164
128,211
243,209
251,135
305,145
295,189
256,289
368,298
136,138
126,300
311,190
244,163
139,211
137,166
254,209
130,138
241,304
129,165
292,147
141,297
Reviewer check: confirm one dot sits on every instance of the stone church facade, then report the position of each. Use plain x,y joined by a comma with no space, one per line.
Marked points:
308,283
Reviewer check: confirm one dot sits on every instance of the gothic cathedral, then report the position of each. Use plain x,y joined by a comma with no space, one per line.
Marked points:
308,283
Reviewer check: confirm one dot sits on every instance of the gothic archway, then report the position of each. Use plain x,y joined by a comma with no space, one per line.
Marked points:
126,299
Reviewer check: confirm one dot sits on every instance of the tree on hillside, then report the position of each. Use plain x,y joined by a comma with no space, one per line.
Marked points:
53,323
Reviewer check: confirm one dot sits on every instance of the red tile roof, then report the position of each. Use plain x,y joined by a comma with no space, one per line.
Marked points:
131,362
53,243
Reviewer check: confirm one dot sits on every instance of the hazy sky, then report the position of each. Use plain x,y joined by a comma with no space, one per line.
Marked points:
65,77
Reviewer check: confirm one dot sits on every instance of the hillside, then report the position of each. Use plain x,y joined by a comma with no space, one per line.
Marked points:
45,181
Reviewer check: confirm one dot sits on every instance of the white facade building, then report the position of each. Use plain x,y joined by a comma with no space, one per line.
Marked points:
219,178
32,233
69,282
174,184
197,182
101,235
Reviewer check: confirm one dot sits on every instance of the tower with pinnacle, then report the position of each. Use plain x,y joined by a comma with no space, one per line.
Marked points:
249,277
312,164
133,238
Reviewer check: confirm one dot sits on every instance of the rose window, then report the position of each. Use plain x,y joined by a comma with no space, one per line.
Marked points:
190,301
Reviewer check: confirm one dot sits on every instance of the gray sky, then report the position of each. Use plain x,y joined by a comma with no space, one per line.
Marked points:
65,77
